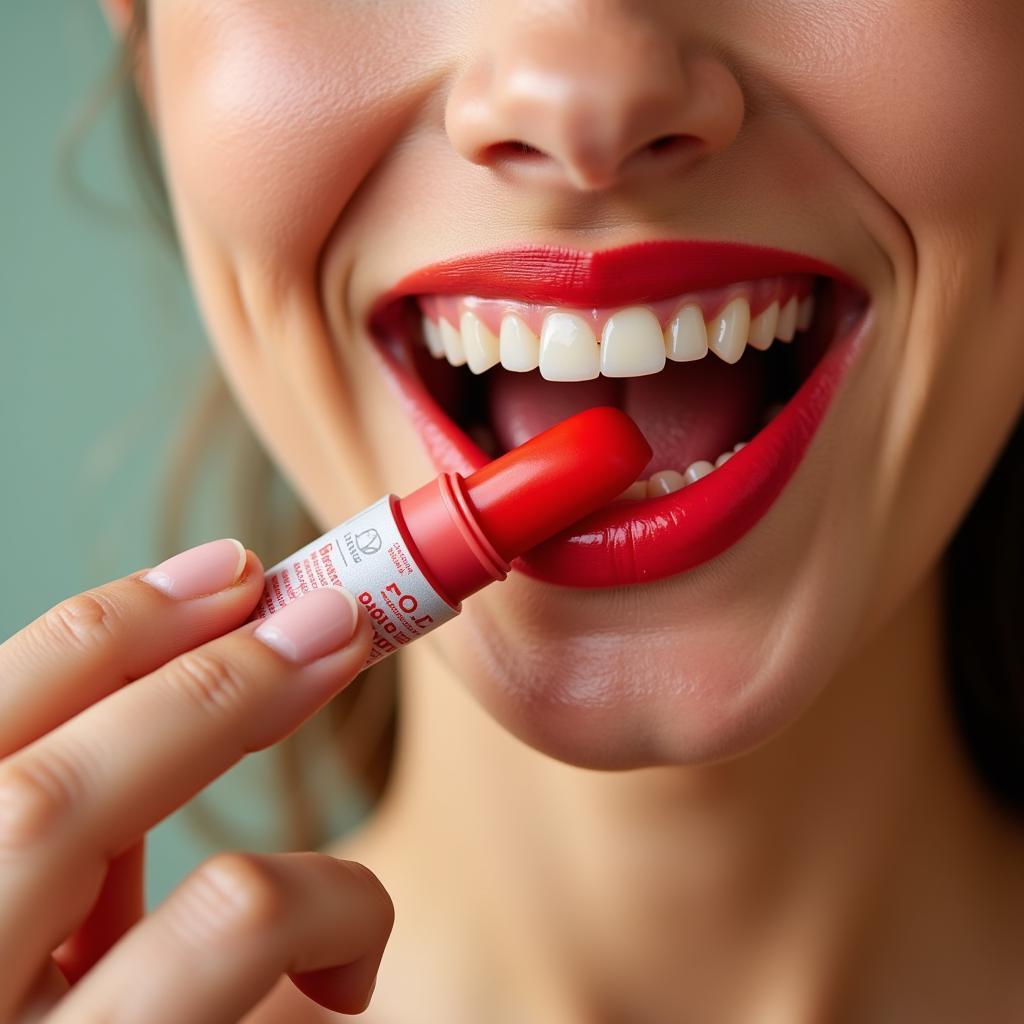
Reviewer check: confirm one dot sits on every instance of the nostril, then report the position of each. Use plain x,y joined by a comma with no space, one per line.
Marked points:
511,149
664,142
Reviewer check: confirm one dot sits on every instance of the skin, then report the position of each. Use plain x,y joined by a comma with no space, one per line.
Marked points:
800,816
82,781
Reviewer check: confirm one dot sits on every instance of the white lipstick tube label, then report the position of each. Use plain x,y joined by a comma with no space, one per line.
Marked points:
368,556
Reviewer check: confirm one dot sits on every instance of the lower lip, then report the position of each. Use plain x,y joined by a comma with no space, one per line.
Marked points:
630,542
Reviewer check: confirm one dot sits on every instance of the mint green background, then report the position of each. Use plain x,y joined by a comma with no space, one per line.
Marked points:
101,347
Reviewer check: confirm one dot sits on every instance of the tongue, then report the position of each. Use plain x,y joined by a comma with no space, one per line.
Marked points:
688,411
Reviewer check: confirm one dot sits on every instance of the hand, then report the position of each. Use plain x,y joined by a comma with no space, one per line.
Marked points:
115,708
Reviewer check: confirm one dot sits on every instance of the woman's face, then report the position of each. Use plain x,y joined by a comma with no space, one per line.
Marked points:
318,152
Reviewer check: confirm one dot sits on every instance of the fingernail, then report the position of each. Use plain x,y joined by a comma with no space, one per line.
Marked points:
316,624
202,570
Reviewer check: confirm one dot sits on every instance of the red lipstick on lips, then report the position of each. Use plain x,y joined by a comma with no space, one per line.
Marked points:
633,542
412,561
644,272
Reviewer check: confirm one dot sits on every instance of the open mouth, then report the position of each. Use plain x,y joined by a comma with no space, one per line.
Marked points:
726,356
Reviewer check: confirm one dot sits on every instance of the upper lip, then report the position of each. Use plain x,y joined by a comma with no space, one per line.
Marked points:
641,272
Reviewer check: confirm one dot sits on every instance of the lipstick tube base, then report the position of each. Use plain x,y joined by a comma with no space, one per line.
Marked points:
369,556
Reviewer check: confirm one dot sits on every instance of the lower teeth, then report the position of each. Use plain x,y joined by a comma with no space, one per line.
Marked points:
668,481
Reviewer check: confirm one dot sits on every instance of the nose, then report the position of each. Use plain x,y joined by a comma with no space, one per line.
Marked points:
588,93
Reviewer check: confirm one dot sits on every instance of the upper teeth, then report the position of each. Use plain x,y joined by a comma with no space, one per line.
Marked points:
518,345
632,342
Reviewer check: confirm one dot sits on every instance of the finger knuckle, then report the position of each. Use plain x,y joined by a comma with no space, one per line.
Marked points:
239,894
84,622
210,683
34,802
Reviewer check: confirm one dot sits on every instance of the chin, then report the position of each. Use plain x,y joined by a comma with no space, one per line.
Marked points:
685,672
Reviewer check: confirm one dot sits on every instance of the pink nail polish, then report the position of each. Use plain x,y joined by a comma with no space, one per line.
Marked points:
206,569
315,624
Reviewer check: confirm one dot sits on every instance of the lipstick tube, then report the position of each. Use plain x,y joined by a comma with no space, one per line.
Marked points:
412,561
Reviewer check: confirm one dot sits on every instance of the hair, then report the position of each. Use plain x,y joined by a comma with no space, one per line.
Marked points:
983,573
984,612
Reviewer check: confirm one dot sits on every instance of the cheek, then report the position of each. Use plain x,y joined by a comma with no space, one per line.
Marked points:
924,97
269,119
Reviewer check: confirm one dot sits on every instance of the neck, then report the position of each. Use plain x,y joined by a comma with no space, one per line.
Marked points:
796,867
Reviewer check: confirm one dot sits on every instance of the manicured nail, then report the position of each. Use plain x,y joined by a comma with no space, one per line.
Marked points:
318,623
202,570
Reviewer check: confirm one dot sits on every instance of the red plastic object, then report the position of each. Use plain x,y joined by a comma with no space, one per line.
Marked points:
465,531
